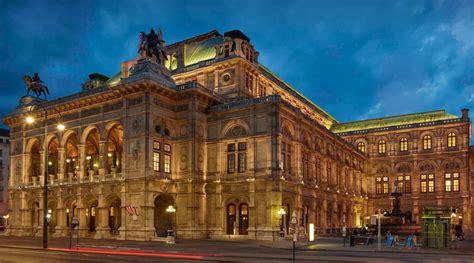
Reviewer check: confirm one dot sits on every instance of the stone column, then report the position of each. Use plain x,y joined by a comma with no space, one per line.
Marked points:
103,220
82,161
61,164
103,167
81,215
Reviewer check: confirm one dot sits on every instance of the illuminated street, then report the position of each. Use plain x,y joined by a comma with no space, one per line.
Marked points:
327,250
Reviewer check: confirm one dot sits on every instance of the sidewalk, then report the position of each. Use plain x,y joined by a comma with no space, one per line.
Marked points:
465,247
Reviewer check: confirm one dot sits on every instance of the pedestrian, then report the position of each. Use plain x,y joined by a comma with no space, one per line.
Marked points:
355,232
415,238
396,239
453,239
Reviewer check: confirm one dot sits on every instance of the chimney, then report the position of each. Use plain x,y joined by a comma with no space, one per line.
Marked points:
465,114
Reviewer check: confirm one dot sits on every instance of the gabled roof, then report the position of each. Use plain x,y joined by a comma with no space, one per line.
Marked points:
405,119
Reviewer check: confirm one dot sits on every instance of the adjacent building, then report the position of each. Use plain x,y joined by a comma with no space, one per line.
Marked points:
232,147
4,174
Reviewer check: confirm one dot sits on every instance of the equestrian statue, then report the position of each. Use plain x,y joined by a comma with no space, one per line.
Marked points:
152,46
36,85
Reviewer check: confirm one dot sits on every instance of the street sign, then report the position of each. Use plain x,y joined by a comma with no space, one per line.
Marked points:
373,220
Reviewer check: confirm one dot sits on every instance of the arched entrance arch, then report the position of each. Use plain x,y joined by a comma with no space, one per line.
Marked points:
237,218
162,219
92,152
115,149
115,219
53,157
91,214
34,170
72,156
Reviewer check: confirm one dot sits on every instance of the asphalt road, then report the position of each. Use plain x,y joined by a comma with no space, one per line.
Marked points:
8,255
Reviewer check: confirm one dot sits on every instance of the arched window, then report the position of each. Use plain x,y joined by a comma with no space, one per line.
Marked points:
403,144
382,146
452,139
426,142
361,147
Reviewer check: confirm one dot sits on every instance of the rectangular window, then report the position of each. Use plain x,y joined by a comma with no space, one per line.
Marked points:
231,158
385,185
400,184
242,147
431,185
407,184
451,182
156,161
167,164
242,162
378,185
167,148
456,182
156,156
427,183
286,157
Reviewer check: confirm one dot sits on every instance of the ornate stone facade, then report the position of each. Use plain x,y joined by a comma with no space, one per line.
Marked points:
212,132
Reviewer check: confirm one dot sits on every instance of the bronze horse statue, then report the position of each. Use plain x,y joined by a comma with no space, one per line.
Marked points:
35,84
152,46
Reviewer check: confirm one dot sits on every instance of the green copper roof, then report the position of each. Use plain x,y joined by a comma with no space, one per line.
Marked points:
296,91
115,79
204,50
421,117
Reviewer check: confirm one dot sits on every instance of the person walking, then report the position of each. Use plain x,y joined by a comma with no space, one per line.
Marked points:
454,239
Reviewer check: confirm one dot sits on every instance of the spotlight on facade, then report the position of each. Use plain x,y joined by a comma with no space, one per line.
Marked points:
30,119
61,127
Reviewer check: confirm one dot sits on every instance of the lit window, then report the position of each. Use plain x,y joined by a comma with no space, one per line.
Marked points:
382,146
403,144
361,147
451,182
400,184
156,156
427,183
426,142
452,139
385,185
407,184
378,185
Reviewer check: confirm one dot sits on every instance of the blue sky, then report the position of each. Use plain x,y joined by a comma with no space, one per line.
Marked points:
356,59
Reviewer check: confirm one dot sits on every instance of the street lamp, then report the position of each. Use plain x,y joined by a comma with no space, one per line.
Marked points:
170,237
282,213
46,214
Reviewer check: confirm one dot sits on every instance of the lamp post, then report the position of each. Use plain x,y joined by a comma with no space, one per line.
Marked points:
46,215
294,223
282,213
170,237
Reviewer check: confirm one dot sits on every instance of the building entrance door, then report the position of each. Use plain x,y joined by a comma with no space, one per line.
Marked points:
230,219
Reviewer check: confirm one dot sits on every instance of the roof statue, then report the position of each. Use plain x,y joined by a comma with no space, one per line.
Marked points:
36,85
152,46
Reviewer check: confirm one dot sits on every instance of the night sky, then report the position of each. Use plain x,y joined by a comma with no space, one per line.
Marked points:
356,59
